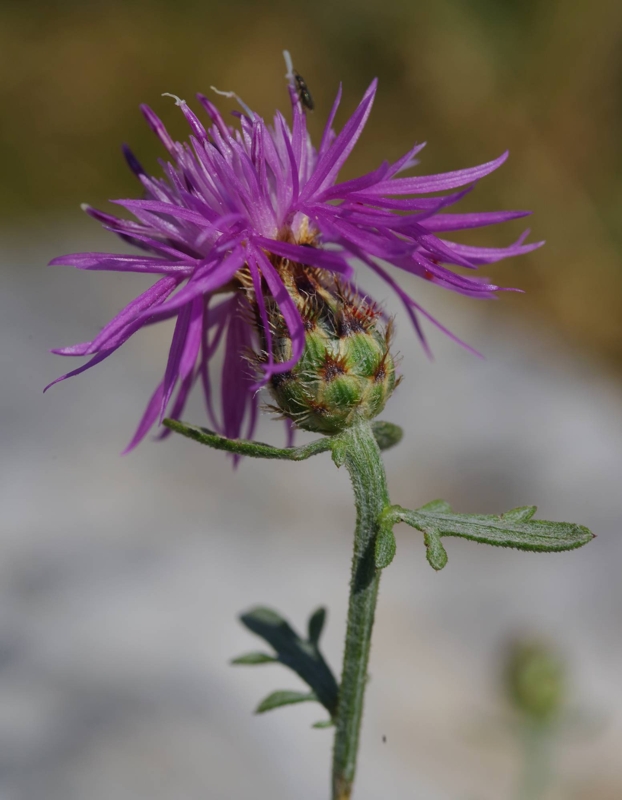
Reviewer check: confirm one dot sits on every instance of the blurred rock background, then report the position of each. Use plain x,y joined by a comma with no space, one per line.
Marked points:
120,579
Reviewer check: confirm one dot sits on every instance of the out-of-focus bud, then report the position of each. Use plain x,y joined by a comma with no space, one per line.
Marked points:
535,680
346,371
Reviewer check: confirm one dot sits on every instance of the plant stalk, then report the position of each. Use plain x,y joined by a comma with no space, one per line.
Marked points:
364,463
537,767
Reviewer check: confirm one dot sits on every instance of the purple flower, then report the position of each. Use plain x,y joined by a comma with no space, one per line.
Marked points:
235,203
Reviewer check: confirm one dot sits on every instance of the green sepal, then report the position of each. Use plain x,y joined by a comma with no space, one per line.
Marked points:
255,658
284,697
385,546
324,723
301,656
515,528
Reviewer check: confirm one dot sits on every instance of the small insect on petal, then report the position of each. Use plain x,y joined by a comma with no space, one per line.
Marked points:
303,91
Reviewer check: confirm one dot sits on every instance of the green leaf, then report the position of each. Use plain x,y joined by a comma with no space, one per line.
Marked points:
243,447
324,723
316,625
434,550
385,546
338,452
255,658
303,657
441,506
283,698
386,434
513,529
522,514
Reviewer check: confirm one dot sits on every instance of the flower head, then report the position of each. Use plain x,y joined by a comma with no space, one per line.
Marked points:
235,206
346,372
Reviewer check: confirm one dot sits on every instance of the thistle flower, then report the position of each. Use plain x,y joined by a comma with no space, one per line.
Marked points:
237,202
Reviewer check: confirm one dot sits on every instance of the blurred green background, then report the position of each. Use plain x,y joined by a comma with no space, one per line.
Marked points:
472,77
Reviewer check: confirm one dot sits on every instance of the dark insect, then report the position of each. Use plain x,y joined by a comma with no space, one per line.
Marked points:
303,91
384,739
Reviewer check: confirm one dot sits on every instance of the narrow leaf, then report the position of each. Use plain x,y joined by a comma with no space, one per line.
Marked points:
244,447
303,657
255,658
283,698
338,451
442,506
385,546
514,529
434,550
522,514
323,723
272,627
386,434
316,625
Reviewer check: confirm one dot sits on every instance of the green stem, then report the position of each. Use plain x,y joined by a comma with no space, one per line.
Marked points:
537,772
361,455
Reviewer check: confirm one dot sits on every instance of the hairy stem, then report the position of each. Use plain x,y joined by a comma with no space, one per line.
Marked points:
362,458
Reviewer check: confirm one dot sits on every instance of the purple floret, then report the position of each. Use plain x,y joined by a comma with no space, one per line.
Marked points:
239,199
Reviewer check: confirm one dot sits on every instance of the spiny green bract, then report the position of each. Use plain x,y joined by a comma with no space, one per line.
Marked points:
346,371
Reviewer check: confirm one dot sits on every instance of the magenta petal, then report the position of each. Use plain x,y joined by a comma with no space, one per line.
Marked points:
356,184
119,329
97,359
312,256
437,183
328,129
236,375
459,222
332,160
193,338
253,265
157,126
180,403
174,357
214,114
218,275
213,317
164,208
122,263
410,203
407,160
132,313
489,255
288,309
148,419
132,162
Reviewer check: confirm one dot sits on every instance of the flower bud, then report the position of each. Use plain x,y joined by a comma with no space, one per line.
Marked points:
346,371
535,680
